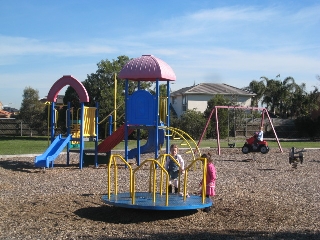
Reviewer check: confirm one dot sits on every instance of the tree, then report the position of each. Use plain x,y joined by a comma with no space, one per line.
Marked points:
162,90
217,100
271,97
303,103
277,94
32,111
285,98
258,88
192,122
286,91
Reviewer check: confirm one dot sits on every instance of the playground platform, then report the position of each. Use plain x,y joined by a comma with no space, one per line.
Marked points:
144,200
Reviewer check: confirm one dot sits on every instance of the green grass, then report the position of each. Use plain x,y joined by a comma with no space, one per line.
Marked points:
37,145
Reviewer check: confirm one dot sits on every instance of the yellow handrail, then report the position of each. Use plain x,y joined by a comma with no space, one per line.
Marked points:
113,161
185,142
110,114
204,181
154,162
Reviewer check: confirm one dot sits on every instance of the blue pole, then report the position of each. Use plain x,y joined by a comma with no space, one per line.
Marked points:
108,154
68,132
110,125
81,135
96,137
168,117
126,120
157,119
52,122
138,137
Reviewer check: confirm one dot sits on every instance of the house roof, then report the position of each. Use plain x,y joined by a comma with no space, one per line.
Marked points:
4,114
212,89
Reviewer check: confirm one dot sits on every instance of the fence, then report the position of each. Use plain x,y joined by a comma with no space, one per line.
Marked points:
284,128
15,127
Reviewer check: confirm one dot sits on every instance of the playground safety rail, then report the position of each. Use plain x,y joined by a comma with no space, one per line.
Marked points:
153,168
115,175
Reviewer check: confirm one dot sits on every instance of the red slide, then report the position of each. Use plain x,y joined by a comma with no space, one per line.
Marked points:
110,142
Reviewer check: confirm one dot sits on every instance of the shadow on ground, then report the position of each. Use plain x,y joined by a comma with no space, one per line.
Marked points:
20,166
112,214
29,167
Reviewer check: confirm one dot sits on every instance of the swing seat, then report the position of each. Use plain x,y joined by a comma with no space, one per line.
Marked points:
231,145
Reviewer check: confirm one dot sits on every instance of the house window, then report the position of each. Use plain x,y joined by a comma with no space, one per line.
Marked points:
184,103
184,108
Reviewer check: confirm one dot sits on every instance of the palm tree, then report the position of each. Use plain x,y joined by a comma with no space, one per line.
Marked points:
287,88
278,94
258,88
271,94
285,98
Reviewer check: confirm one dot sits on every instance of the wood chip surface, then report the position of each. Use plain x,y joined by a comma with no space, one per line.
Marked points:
258,197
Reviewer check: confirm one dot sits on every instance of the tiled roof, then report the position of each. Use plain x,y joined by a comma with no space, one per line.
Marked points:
212,89
4,114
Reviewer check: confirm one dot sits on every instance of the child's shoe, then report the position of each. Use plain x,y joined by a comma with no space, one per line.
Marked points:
181,194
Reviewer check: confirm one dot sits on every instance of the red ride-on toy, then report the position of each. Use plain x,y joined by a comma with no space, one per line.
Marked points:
262,146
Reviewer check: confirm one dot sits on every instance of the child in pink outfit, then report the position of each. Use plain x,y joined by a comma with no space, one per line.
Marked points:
210,178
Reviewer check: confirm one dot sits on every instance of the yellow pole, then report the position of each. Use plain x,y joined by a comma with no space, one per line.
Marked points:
115,103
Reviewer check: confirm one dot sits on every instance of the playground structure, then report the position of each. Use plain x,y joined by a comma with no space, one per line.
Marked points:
215,110
145,111
85,127
142,111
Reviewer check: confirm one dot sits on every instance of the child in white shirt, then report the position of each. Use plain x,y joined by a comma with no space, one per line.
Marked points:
173,169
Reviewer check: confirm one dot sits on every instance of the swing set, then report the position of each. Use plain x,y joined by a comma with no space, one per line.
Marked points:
215,110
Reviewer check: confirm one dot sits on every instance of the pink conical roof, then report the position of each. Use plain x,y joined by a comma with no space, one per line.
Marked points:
147,68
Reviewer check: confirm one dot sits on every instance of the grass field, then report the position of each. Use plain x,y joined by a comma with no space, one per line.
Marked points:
37,145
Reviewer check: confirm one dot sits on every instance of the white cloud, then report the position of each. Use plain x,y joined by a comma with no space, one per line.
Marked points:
307,15
19,46
231,14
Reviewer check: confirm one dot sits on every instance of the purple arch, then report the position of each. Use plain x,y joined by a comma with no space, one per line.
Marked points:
147,68
68,80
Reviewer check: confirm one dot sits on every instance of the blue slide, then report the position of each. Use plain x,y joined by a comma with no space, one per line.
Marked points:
52,152
150,144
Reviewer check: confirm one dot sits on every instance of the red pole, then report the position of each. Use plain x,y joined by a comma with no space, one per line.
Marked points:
205,128
218,135
274,131
262,118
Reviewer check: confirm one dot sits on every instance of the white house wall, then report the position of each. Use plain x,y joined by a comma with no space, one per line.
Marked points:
199,102
244,101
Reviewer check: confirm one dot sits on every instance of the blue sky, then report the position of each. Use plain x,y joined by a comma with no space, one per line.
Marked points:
232,42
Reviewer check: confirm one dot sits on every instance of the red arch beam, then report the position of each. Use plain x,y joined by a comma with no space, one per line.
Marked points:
64,81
